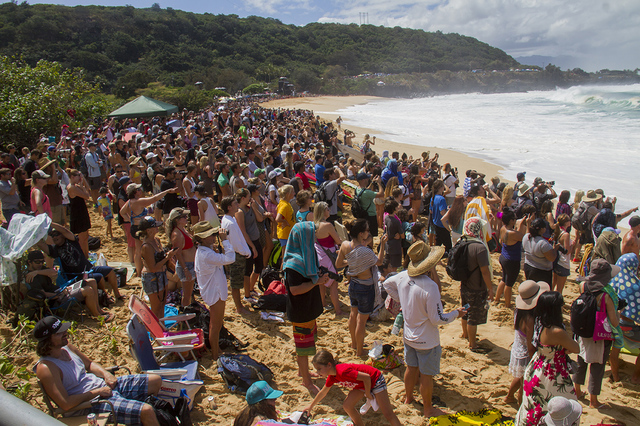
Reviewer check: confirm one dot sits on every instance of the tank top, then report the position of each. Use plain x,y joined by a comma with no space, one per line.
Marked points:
512,252
188,242
75,378
251,224
563,258
46,205
302,216
193,185
210,215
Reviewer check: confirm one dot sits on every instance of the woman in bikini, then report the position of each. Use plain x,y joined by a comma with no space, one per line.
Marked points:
180,239
326,241
135,209
154,272
362,262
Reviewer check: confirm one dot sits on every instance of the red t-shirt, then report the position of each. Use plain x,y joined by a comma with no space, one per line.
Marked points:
347,376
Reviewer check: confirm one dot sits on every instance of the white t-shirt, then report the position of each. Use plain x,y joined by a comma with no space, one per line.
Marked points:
450,182
209,267
421,308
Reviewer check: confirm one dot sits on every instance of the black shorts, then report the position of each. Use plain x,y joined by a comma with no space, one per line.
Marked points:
254,264
510,271
477,314
535,274
443,238
373,225
95,182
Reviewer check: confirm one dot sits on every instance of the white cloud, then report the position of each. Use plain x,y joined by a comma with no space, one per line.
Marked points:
277,7
598,34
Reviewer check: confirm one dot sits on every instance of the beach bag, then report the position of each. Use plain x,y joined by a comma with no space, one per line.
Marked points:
602,328
169,415
357,210
267,276
580,219
384,357
458,262
239,372
583,314
275,258
94,243
271,302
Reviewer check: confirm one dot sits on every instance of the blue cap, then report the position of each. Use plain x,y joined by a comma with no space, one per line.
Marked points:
363,176
124,180
259,391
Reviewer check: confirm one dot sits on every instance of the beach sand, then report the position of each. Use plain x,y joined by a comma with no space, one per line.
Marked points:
468,381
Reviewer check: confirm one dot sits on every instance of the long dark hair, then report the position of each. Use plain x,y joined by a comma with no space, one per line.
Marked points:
456,211
549,309
522,315
248,414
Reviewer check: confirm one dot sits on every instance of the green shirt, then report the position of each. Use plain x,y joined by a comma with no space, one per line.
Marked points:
366,200
223,180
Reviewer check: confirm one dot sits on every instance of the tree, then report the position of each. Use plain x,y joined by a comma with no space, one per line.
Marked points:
35,100
253,89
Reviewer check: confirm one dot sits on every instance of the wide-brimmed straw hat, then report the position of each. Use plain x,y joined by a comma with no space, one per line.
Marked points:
204,229
423,258
591,196
522,189
562,411
529,292
43,163
133,160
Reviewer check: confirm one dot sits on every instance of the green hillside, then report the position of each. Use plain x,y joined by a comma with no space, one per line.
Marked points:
124,48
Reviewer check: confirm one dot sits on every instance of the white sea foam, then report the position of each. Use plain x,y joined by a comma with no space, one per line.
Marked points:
583,137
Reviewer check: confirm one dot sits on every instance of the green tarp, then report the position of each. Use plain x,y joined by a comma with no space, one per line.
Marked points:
144,107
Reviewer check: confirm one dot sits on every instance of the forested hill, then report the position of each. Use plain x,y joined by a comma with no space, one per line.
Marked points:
125,48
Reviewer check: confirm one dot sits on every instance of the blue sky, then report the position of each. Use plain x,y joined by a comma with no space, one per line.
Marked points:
590,34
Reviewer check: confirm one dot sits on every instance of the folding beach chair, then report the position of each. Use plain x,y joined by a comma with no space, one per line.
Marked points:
175,375
160,334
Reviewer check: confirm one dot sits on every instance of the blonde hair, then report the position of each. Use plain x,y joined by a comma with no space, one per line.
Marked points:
391,184
318,212
284,191
578,197
507,194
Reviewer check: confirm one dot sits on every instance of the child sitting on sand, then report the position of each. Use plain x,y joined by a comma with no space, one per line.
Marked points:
361,379
104,201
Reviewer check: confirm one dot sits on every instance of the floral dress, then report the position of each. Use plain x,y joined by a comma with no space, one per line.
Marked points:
546,376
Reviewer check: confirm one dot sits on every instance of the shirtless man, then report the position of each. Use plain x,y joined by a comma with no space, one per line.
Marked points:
630,242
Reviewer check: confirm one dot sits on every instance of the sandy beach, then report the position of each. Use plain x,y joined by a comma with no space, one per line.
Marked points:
468,381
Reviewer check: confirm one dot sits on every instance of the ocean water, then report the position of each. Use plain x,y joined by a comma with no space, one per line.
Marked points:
583,137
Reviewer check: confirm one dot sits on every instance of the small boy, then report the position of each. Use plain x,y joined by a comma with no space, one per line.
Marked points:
104,201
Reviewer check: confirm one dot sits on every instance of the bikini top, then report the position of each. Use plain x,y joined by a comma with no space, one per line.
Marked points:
143,214
188,242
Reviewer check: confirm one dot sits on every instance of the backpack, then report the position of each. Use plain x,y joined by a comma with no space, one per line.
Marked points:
458,262
83,166
94,243
583,313
267,276
271,302
147,186
169,415
357,210
321,193
519,205
239,372
275,258
580,219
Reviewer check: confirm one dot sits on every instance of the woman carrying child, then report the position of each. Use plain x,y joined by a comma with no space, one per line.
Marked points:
361,379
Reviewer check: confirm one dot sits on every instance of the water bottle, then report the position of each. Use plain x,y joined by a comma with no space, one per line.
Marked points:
397,324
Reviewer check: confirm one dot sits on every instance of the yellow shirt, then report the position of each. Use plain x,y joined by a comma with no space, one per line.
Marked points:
285,209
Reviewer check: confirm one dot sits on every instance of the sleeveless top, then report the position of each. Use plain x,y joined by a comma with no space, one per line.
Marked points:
327,242
46,205
302,216
188,242
80,220
251,224
141,215
75,378
193,185
210,215
360,259
512,252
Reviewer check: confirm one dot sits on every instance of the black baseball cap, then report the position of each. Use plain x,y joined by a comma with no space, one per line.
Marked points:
35,255
48,326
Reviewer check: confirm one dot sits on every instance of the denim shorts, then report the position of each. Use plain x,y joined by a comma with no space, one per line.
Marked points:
427,360
362,297
154,282
561,271
181,273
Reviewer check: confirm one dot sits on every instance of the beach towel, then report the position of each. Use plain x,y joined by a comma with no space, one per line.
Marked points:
326,258
465,418
300,254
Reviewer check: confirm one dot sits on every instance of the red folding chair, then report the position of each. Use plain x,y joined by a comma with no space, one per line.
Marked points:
160,333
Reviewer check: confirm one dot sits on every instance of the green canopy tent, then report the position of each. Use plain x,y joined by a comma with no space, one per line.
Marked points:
144,107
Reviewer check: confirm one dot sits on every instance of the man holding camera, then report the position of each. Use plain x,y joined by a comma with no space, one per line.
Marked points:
542,191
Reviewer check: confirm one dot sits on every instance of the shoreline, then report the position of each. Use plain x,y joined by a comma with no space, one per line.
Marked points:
327,108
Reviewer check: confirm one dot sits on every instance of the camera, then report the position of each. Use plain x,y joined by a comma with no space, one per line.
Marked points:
551,183
323,270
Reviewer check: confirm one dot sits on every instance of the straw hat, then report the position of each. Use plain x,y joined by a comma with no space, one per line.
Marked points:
522,189
176,213
134,160
562,411
43,163
423,257
204,229
591,196
529,292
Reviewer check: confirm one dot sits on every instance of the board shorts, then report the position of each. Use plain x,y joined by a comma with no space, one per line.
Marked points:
236,272
477,314
305,335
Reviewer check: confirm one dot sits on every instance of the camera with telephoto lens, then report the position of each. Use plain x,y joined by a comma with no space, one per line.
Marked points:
323,270
553,182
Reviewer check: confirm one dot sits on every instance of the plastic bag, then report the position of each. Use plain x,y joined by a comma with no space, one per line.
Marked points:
102,261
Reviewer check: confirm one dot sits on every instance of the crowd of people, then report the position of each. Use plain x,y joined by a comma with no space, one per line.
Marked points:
205,201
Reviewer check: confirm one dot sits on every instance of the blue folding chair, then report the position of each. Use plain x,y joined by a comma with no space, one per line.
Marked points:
143,352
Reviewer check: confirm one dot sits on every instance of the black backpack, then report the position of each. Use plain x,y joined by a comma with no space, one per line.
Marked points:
321,194
458,260
271,302
580,219
168,415
267,276
357,210
583,313
239,372
94,243
520,203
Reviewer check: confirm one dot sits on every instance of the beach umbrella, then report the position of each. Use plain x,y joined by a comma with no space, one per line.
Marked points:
144,107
